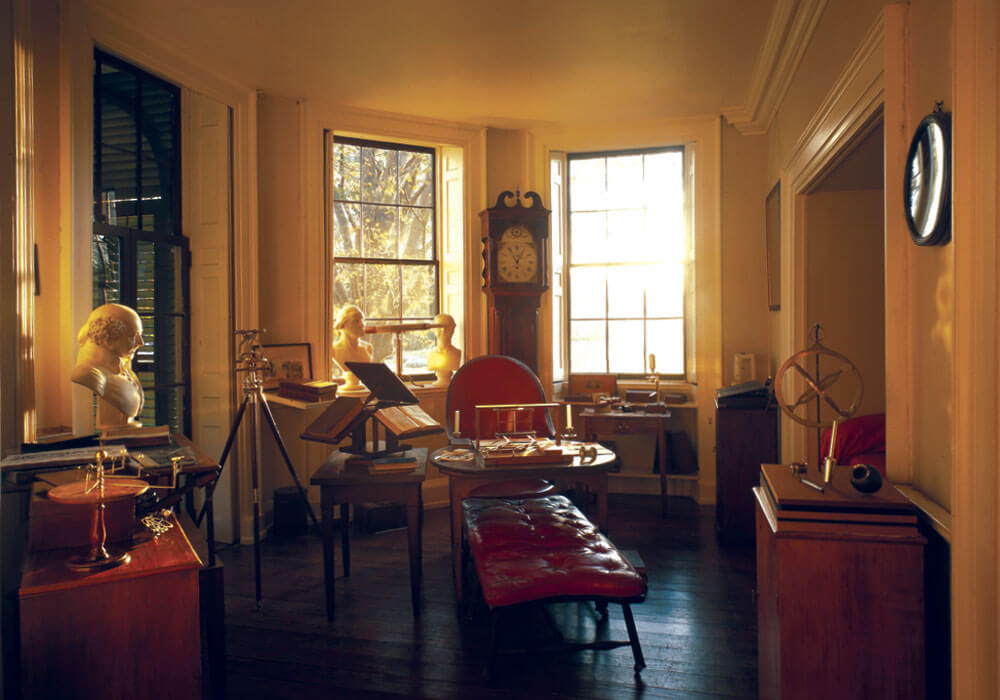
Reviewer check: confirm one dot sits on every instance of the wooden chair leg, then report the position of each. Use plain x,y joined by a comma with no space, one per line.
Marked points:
633,638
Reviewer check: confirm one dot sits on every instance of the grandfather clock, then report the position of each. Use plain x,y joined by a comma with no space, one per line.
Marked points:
515,273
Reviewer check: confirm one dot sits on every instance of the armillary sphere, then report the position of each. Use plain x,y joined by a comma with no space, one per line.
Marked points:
818,386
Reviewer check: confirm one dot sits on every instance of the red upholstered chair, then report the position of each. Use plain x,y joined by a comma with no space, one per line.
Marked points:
497,379
860,440
494,379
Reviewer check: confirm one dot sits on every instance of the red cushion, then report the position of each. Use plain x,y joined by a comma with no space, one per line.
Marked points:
540,548
855,436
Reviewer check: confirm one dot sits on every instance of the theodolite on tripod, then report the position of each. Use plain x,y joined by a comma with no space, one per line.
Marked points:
250,363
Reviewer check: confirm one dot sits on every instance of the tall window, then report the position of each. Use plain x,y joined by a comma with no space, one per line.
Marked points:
383,227
628,258
140,256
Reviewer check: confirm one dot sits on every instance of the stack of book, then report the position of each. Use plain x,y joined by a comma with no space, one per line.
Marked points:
144,436
391,464
317,390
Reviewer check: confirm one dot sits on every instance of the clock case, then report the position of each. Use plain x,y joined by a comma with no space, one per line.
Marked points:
513,306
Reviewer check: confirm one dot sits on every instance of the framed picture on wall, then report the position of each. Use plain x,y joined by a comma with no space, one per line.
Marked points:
772,247
289,361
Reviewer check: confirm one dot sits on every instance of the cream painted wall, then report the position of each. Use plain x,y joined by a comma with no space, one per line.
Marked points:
282,252
55,345
932,268
842,26
745,318
846,293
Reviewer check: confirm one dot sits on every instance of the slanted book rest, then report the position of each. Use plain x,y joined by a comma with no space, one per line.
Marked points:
408,421
337,421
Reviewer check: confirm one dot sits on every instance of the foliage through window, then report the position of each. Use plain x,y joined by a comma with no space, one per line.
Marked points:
382,222
140,256
628,259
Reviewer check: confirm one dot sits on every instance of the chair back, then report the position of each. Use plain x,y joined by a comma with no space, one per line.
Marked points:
495,379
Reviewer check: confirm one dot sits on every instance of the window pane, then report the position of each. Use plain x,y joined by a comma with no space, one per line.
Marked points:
347,230
588,297
590,237
625,347
416,234
665,339
378,175
587,346
348,286
666,292
346,171
418,291
625,187
416,183
625,292
117,187
587,185
381,231
416,345
381,296
627,236
106,255
159,284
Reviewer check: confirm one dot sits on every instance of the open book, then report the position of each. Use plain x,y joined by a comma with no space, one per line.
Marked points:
337,421
408,421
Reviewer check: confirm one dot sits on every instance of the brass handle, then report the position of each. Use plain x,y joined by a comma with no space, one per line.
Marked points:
622,428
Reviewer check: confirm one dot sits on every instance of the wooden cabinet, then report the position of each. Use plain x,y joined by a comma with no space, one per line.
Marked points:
745,438
840,590
128,632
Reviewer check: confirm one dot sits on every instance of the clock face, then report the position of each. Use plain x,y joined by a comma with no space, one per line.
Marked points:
517,256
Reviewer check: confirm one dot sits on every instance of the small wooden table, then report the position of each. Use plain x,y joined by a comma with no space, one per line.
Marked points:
463,477
632,423
343,484
128,631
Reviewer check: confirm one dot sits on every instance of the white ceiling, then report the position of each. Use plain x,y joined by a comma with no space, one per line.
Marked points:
508,65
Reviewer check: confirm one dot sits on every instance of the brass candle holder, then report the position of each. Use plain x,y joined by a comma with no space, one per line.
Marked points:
98,558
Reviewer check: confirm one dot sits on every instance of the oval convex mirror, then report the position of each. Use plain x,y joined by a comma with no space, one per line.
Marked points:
927,184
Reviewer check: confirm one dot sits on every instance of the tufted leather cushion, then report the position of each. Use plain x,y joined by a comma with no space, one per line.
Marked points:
539,548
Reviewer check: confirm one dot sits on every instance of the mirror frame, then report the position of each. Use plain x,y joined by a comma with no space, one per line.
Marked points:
937,229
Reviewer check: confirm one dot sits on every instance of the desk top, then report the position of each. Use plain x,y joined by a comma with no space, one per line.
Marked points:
475,467
337,471
46,571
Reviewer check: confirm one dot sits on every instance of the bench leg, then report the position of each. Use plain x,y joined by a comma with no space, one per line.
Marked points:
633,638
491,662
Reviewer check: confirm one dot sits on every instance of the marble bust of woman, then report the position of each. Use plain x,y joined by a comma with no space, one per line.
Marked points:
108,341
445,358
350,346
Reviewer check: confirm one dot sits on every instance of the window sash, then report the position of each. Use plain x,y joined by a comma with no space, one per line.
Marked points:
610,321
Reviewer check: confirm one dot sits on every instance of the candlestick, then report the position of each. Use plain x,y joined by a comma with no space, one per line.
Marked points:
456,424
569,417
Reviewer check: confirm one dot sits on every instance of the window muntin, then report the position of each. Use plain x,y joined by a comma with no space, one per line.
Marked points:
139,254
383,219
628,250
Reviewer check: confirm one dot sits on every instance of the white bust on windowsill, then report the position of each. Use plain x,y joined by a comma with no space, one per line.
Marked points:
349,347
108,342
445,358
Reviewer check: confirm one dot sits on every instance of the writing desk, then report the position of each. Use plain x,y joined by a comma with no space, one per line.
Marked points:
342,484
632,423
464,476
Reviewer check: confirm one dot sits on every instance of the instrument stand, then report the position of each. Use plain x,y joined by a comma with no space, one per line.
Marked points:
251,361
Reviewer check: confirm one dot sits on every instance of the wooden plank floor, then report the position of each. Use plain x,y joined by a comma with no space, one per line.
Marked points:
698,626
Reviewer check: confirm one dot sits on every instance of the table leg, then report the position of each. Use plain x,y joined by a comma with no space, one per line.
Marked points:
345,537
602,501
327,505
661,448
413,531
455,504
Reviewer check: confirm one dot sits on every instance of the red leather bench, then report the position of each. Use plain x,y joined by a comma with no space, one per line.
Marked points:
545,550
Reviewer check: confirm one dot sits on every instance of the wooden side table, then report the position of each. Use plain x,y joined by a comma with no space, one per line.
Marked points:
342,484
840,603
130,631
632,423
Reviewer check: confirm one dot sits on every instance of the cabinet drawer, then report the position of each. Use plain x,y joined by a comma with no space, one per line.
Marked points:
624,426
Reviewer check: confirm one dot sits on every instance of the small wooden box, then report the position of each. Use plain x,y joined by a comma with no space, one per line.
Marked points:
584,386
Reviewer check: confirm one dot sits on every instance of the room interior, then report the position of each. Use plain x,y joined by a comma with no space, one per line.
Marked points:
818,98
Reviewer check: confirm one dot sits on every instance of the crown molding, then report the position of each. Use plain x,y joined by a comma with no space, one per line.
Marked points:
788,34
